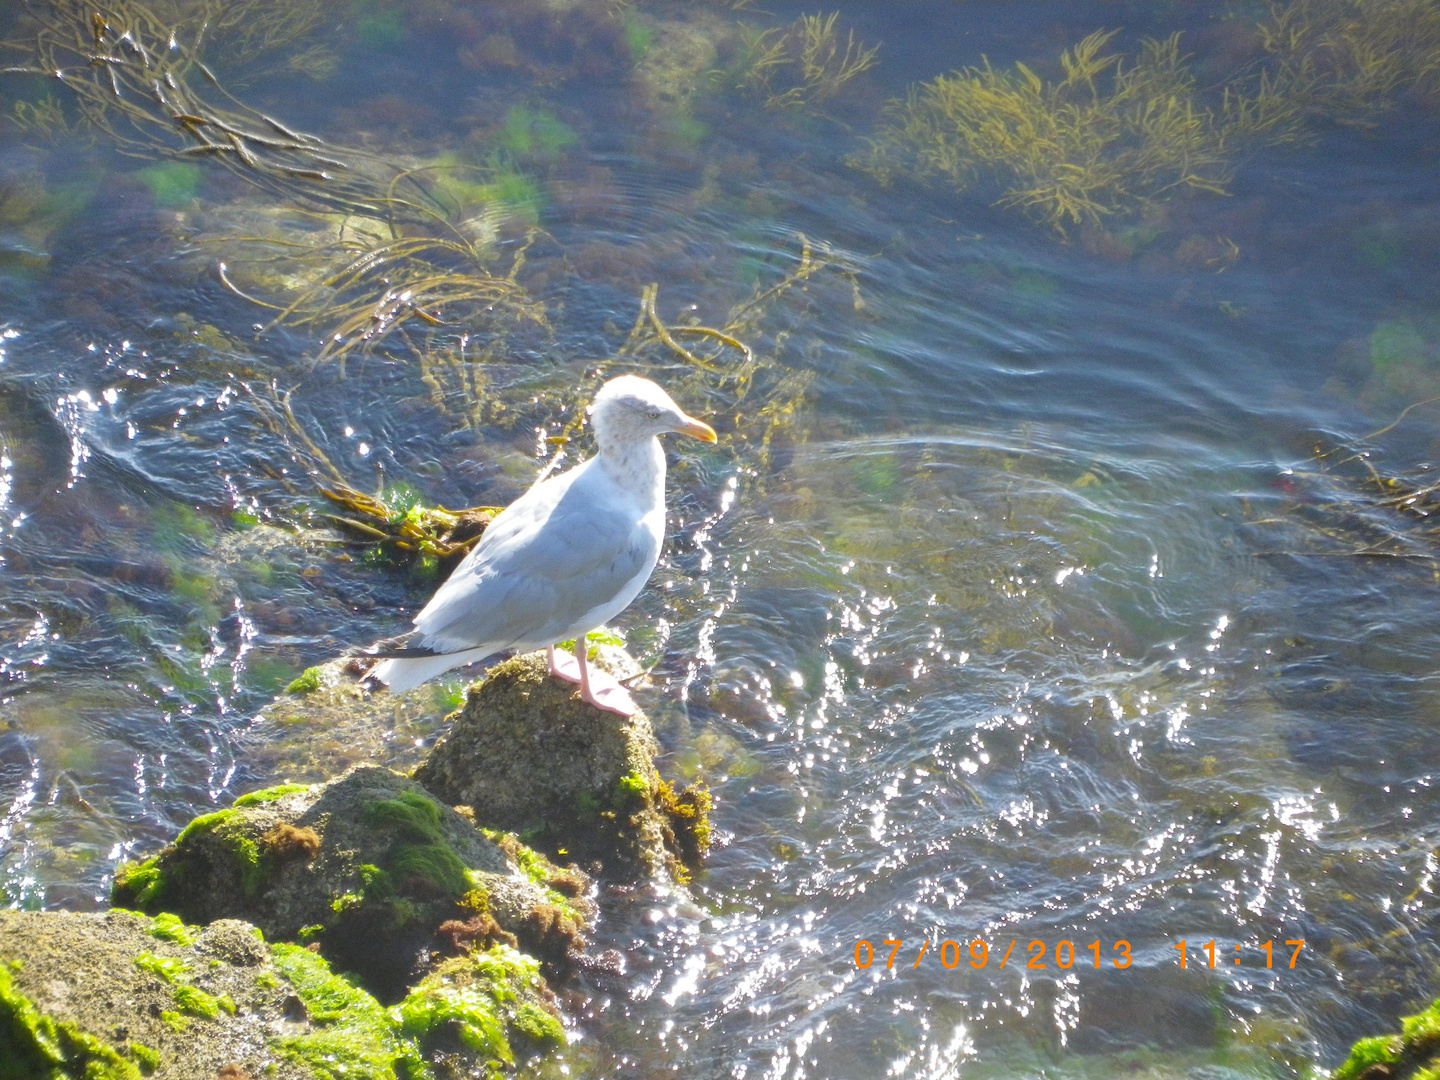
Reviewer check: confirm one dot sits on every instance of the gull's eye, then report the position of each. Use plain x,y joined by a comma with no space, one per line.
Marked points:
654,414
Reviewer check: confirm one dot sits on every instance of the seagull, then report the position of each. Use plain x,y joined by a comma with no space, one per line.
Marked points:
564,558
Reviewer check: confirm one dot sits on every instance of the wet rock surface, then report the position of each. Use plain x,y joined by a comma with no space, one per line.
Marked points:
120,996
327,722
367,926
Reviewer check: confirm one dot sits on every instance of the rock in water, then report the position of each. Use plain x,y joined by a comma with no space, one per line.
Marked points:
370,868
527,755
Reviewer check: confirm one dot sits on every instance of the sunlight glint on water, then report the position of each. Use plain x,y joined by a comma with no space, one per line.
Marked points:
1020,628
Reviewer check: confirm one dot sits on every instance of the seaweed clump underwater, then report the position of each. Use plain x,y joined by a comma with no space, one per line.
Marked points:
1113,133
388,252
1108,135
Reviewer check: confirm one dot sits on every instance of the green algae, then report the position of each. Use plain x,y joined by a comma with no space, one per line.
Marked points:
306,682
147,887
1396,343
356,1040
535,134
633,784
269,795
244,850
484,999
1378,1050
173,183
176,528
480,998
148,1057
171,928
142,884
196,1002
419,853
34,1046
169,968
190,1000
639,37
1413,1054
379,25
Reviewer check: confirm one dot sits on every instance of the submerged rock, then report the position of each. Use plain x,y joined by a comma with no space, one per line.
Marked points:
326,722
525,754
119,996
371,869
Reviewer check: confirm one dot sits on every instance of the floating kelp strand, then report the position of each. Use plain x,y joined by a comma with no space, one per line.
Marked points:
160,77
289,133
243,150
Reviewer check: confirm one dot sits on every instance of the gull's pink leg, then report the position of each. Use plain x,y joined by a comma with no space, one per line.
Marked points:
562,666
606,693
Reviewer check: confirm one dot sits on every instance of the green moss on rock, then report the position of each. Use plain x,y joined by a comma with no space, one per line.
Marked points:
196,1002
141,885
483,1001
1413,1054
34,1046
577,782
168,927
269,795
147,1057
367,867
306,682
169,968
354,1036
419,857
74,982
227,827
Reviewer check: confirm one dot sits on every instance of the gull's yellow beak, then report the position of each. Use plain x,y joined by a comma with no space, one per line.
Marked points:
696,428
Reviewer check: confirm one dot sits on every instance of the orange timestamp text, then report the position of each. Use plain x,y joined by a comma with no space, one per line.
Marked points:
1066,954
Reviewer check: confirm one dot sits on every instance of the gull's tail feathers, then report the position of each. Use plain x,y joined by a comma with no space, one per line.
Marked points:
404,673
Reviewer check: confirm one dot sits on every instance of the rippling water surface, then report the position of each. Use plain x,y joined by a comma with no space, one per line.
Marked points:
1037,619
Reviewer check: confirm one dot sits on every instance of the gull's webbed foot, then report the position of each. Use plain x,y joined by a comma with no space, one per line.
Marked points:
597,687
605,693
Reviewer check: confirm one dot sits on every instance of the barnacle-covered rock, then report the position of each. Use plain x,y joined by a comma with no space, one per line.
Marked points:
527,755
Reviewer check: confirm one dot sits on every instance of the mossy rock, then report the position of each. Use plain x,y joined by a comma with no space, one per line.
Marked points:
1413,1053
369,867
487,1005
579,783
106,996
117,996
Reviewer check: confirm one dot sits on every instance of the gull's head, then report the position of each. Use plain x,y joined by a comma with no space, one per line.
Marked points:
630,409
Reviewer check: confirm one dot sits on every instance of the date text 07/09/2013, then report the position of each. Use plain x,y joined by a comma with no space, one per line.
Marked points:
1066,954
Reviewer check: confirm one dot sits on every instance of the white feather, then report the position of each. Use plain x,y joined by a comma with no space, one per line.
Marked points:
406,673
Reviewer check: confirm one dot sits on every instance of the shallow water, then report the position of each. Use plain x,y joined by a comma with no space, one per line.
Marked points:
1022,627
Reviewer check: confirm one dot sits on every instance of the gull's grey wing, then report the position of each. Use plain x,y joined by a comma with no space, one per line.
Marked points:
565,552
